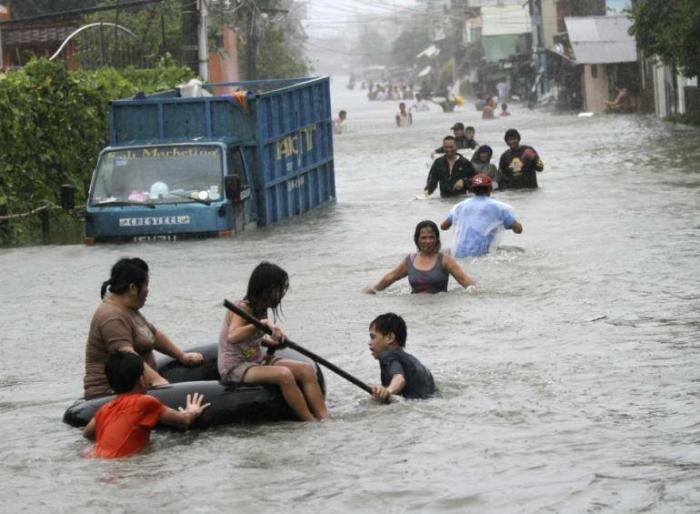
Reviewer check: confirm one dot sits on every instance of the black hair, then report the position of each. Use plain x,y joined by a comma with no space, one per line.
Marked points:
126,271
482,149
267,286
470,128
448,138
504,106
391,323
123,370
511,133
342,113
427,224
481,190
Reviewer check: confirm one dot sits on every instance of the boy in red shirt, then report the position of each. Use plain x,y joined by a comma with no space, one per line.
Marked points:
123,426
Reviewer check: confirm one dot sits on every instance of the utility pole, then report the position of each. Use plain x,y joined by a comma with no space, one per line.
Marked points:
255,9
252,42
190,56
203,41
538,51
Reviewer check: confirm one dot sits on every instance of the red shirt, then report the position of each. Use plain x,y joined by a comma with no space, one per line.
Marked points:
123,426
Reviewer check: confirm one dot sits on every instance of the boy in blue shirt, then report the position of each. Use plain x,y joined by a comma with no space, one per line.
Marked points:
401,372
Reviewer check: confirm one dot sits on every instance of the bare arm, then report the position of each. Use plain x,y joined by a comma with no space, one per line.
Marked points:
399,272
398,382
152,376
240,330
89,430
183,418
454,269
164,345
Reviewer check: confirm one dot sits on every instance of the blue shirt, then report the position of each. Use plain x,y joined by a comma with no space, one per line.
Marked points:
477,220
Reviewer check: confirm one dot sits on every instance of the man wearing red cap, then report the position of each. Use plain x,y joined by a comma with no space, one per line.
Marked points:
478,220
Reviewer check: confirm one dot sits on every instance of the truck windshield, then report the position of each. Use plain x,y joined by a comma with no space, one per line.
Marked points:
159,174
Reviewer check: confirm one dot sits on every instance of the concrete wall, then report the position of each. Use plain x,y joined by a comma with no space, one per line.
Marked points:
595,89
692,101
670,91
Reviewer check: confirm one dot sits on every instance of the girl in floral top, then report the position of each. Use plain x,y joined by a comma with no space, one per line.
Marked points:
241,359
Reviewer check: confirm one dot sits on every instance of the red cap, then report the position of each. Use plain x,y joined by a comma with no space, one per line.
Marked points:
481,180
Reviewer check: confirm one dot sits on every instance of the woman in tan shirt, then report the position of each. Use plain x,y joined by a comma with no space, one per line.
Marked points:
118,326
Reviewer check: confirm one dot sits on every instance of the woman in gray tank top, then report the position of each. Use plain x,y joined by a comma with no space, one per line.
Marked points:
429,269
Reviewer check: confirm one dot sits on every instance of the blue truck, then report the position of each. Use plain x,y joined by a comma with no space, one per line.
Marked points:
214,165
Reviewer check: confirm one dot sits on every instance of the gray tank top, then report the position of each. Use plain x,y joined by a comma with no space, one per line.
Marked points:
430,281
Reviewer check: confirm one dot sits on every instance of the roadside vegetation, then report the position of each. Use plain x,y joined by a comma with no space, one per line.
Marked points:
53,123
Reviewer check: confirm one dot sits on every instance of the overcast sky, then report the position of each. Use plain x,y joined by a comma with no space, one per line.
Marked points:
328,16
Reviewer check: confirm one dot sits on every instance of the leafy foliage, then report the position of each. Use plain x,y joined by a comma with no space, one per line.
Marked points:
671,30
412,40
53,123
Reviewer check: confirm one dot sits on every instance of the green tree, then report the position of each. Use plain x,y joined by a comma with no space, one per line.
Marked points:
53,123
411,41
671,30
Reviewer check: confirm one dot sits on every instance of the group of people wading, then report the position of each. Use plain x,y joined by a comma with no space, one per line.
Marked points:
477,218
119,356
517,167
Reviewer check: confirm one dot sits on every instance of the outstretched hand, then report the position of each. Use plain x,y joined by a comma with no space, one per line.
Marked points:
194,404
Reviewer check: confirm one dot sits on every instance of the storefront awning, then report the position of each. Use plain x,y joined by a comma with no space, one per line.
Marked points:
601,39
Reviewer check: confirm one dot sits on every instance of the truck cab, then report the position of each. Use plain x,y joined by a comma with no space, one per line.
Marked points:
211,166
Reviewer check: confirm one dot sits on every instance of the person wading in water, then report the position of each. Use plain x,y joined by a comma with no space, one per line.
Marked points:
451,172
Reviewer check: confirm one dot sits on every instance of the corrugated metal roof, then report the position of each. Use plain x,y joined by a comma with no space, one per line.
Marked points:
601,39
501,21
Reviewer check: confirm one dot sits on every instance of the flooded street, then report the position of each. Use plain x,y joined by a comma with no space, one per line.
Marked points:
570,379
